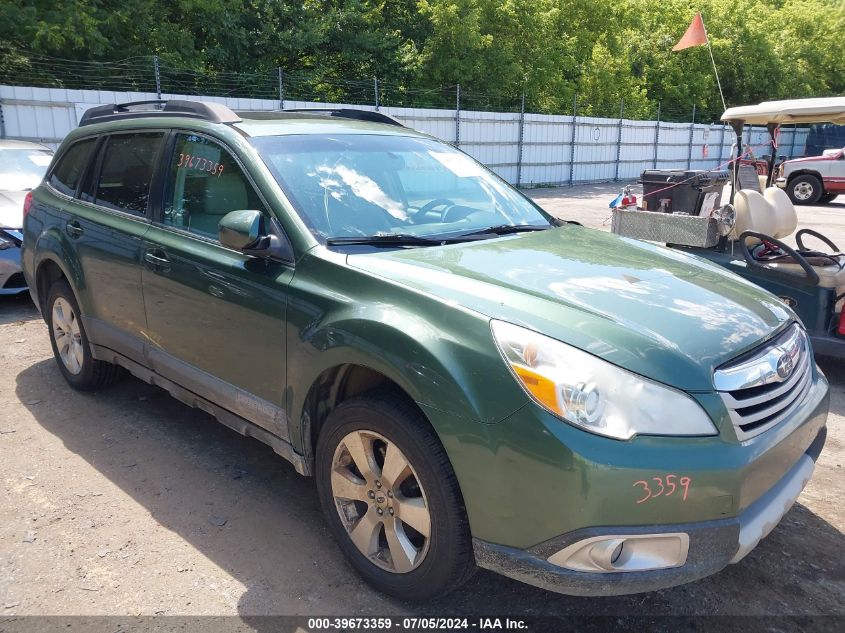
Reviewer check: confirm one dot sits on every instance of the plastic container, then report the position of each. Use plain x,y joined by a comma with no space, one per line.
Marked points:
693,191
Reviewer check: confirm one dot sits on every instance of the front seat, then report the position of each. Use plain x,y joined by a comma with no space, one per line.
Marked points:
220,196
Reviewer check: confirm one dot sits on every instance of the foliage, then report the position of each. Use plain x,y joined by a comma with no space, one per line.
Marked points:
602,50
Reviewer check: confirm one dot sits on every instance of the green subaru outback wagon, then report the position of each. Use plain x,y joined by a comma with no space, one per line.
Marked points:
471,382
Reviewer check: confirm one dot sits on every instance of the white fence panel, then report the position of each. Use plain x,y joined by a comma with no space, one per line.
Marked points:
600,149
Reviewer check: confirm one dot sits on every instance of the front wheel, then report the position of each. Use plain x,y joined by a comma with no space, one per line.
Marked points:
391,499
805,189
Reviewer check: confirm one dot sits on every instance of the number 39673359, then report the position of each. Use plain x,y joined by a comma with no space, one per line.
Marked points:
663,486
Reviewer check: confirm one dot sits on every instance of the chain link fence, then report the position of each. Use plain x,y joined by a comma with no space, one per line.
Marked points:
154,74
583,142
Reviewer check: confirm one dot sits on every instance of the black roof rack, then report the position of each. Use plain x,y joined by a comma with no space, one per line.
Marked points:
206,110
342,113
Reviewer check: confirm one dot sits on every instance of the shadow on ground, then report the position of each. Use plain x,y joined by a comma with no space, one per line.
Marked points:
182,467
17,308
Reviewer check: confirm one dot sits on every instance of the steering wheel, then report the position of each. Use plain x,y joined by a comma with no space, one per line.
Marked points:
810,276
428,207
799,239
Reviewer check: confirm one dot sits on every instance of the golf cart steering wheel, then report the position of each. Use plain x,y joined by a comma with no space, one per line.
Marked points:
431,206
799,239
810,277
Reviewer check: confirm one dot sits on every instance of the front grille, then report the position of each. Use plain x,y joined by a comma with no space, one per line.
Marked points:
756,388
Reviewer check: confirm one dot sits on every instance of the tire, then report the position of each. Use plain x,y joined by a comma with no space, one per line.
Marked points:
828,198
401,560
69,341
805,189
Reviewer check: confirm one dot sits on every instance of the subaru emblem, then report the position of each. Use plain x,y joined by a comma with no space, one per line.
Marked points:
784,366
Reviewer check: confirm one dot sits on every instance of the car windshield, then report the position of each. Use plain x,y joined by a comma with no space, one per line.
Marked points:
353,185
22,169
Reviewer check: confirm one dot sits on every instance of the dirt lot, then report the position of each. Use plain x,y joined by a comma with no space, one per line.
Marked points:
127,502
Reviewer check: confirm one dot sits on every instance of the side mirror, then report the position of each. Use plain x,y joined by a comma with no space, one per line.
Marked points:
245,231
240,229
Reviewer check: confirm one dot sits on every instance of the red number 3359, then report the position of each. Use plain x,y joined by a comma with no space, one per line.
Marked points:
664,486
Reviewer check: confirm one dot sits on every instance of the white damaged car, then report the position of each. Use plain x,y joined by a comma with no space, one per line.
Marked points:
22,166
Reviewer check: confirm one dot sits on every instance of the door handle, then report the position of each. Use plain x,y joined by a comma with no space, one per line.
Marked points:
157,259
74,228
216,276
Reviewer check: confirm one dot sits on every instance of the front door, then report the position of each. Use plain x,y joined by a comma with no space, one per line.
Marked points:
215,317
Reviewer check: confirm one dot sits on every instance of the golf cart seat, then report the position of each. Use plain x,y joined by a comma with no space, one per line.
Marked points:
769,213
762,220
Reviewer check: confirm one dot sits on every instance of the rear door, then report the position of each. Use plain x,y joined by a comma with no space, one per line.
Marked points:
110,218
216,317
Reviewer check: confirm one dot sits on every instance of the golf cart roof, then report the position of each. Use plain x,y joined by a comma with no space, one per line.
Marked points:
819,110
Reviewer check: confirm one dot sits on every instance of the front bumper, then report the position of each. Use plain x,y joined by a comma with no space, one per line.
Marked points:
11,277
712,544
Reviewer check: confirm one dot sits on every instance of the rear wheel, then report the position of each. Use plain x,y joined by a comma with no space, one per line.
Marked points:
828,197
391,499
805,189
70,343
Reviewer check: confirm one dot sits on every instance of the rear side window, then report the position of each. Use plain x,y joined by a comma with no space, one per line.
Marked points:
66,175
126,171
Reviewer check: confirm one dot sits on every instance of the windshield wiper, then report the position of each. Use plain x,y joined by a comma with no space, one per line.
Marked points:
390,239
408,239
507,229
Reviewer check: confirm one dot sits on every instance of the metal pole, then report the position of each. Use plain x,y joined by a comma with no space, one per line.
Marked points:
691,137
375,89
2,122
715,72
791,143
281,88
656,135
458,116
619,138
572,142
521,139
722,144
158,75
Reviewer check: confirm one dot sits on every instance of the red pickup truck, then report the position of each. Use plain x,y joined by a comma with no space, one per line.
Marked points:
815,179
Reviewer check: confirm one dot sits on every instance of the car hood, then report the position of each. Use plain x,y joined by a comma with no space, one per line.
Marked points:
655,311
812,159
11,209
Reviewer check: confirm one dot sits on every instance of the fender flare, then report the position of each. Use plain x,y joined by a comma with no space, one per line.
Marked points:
445,370
50,246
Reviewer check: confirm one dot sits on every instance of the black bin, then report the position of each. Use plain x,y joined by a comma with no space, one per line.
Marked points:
682,190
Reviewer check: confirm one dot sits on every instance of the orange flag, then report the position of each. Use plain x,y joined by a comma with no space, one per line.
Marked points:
695,35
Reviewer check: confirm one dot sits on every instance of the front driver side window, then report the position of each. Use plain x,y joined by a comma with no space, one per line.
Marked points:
204,184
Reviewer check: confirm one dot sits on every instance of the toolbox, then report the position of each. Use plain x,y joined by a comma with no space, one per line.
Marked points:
691,191
669,228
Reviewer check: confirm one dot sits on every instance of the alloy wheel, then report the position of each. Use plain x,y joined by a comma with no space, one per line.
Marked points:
380,501
67,335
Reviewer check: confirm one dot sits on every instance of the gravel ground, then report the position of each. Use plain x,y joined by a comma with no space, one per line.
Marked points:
126,502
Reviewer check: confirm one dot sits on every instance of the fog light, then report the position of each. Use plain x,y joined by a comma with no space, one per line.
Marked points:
629,552
616,553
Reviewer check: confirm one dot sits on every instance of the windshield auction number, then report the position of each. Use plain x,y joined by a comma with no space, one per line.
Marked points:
664,486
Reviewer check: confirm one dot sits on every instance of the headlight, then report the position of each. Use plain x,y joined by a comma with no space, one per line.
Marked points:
594,394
